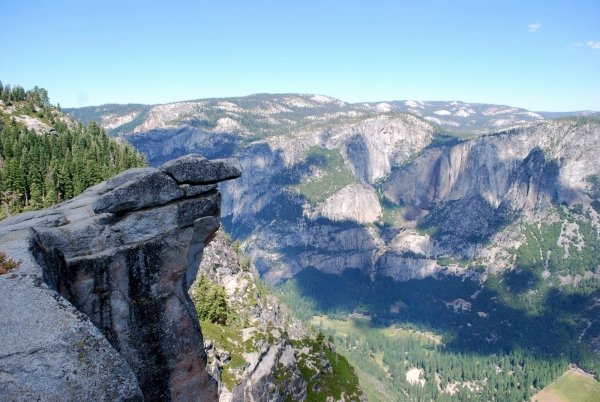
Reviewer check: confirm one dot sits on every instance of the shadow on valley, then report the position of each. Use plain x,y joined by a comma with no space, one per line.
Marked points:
472,318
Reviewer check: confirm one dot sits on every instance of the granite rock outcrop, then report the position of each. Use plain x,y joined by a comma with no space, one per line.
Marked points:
98,308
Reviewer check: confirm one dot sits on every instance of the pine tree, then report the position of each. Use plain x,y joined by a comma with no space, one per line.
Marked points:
50,196
210,300
36,195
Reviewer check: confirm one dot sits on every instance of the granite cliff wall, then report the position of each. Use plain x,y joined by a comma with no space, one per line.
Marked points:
98,308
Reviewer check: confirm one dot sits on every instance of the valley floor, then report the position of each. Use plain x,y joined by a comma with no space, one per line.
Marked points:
572,386
368,348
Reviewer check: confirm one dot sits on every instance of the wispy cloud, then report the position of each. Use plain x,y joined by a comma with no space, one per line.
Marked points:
534,27
592,44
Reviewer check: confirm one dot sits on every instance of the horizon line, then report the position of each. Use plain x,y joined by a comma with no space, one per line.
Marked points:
323,95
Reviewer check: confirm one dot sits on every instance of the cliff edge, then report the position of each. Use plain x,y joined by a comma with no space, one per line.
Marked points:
98,307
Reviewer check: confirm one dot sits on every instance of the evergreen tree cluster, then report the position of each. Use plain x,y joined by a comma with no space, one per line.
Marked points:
39,170
210,300
36,96
448,375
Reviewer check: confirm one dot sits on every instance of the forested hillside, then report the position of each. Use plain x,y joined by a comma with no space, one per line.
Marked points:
45,157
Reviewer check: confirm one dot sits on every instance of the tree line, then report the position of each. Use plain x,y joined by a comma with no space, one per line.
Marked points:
41,169
36,96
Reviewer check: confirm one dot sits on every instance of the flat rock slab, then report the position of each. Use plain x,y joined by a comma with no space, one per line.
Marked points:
52,352
195,169
128,175
146,190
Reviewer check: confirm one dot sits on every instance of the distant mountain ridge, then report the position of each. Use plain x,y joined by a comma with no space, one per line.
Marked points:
290,111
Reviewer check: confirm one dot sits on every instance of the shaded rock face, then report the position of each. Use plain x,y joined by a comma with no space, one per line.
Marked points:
473,189
162,145
467,192
259,384
106,275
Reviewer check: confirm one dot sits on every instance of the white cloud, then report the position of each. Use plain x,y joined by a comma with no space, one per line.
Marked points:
534,27
592,44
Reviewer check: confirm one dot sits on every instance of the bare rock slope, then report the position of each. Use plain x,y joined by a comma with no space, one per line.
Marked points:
270,371
263,353
98,308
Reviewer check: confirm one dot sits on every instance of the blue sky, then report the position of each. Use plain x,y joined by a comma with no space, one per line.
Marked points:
542,55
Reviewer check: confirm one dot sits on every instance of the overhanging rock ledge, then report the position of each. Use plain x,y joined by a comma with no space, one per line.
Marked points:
98,308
